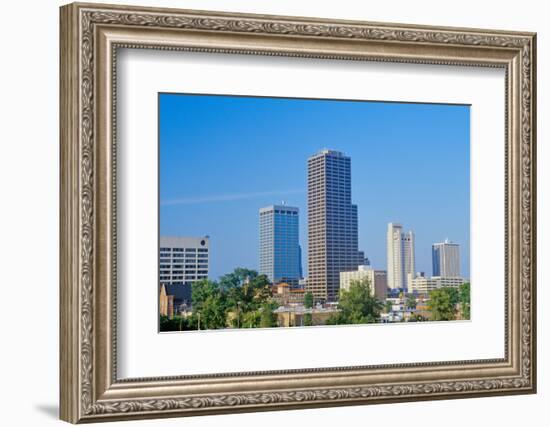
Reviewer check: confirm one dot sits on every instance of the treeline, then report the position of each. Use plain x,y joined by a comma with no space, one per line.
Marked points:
450,303
241,299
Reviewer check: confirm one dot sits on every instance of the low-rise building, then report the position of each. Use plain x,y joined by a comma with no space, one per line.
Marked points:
424,285
284,294
295,316
448,282
166,303
174,299
377,279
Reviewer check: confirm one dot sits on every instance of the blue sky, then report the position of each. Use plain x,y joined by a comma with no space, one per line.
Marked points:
224,157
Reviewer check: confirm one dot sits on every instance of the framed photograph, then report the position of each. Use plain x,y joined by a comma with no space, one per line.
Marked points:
265,213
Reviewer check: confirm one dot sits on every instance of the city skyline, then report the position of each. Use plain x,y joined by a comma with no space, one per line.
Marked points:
196,193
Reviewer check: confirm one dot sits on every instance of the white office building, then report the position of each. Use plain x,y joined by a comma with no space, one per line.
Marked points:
377,278
400,256
446,259
424,285
183,260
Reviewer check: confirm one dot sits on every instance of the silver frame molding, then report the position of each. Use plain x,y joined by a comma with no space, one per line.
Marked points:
90,37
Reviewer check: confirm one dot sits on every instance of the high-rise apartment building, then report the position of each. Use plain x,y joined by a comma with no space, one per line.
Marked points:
183,260
446,259
332,223
279,244
401,263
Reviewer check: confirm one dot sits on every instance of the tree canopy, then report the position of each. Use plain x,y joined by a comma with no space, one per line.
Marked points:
357,305
441,304
464,299
237,299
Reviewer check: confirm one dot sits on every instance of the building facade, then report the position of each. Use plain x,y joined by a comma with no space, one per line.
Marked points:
183,260
332,223
446,259
166,303
424,285
378,280
279,244
400,256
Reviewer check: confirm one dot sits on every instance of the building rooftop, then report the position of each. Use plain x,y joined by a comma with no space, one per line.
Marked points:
278,207
181,292
446,242
328,152
184,241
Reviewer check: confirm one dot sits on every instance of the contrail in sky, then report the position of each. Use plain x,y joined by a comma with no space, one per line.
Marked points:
226,197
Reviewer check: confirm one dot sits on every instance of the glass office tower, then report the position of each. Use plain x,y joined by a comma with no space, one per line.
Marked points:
279,244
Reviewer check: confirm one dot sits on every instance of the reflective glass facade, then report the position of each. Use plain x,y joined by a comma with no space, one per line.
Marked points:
279,244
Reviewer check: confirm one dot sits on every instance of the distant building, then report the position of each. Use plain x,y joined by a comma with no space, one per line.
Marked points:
300,265
182,261
279,244
295,315
362,259
284,295
424,285
332,223
377,279
174,299
446,259
448,282
400,256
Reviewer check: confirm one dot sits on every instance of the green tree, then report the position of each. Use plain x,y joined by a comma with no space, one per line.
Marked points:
464,299
308,303
267,317
209,306
453,295
441,305
246,294
411,302
388,306
251,319
237,278
357,305
308,300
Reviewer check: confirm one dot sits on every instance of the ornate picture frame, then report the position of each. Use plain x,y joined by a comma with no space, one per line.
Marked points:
90,37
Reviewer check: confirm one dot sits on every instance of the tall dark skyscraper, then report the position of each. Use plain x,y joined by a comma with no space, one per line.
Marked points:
332,223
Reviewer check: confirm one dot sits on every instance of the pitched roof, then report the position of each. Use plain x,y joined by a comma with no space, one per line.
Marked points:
181,292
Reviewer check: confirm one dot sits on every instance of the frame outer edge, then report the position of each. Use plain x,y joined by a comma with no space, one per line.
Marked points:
69,355
77,225
534,305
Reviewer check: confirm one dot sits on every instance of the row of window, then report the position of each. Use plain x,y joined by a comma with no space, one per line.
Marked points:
194,250
188,256
188,277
